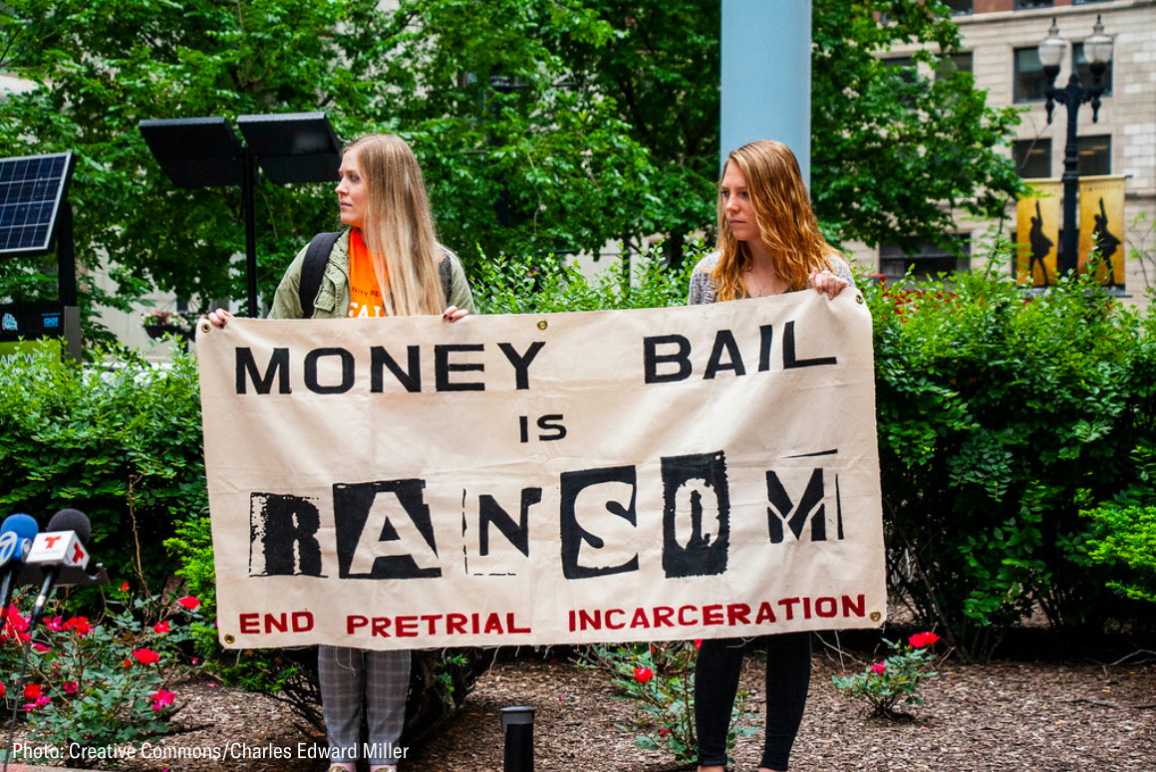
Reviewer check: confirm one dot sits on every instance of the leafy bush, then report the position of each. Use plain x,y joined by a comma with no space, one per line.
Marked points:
895,679
524,285
659,679
1123,531
1129,538
120,441
1001,415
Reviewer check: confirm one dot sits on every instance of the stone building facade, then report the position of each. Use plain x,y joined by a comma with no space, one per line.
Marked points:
999,45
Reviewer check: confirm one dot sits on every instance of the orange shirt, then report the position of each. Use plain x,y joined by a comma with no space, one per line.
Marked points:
365,295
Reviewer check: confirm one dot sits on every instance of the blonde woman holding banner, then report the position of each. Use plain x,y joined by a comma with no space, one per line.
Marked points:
769,243
387,262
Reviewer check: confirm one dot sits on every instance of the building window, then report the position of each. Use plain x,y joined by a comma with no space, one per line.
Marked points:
960,7
1028,5
1095,155
1033,158
1084,70
1086,2
927,262
904,67
950,64
1030,81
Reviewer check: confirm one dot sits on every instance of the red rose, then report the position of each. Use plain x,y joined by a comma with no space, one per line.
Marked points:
188,602
146,656
919,640
124,587
162,627
32,692
161,699
79,624
643,674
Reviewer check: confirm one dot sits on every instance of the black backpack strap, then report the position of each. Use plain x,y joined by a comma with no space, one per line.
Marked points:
312,269
446,273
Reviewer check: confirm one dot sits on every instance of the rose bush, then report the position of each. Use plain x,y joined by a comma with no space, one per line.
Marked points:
100,683
895,679
659,679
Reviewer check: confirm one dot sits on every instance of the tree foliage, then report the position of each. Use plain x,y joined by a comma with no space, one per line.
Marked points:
425,71
502,121
544,126
102,67
894,151
663,72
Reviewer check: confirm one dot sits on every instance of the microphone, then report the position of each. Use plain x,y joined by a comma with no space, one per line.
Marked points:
63,545
16,535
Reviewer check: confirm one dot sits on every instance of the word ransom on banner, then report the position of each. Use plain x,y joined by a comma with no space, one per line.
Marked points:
707,471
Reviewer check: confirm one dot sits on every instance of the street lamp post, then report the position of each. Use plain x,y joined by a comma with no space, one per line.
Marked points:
503,84
1098,50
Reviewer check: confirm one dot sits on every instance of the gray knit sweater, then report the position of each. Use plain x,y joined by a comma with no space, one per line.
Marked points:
702,284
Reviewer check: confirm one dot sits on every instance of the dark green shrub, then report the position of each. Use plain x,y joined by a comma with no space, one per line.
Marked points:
120,442
1001,415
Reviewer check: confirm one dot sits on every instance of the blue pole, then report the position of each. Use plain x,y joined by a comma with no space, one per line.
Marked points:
766,76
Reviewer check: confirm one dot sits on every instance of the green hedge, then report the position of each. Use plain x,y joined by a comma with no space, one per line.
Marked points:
121,443
1001,416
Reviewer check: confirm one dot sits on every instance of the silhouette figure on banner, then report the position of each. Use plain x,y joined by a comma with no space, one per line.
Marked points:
1105,241
1041,245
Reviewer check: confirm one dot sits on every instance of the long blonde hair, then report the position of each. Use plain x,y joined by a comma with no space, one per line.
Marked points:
786,223
398,228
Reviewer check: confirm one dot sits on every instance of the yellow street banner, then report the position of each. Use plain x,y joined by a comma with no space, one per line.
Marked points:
1102,226
1038,233
678,473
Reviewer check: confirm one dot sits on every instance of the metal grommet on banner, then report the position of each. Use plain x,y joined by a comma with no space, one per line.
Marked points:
205,325
543,324
229,638
875,616
859,298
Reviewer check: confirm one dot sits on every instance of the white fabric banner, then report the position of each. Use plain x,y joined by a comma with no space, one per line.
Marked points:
706,471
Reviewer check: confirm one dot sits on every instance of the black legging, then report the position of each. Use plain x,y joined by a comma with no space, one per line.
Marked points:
716,681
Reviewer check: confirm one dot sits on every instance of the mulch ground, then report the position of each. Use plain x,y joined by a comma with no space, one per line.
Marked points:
1013,716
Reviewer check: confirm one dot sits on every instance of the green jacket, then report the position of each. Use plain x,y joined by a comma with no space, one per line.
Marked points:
333,297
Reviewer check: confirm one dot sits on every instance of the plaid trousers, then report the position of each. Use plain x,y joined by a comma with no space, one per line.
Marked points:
350,677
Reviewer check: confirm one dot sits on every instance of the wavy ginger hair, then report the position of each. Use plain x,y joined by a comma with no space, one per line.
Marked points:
786,223
398,228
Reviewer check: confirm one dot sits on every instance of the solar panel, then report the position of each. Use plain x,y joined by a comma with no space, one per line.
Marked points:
195,152
31,190
293,147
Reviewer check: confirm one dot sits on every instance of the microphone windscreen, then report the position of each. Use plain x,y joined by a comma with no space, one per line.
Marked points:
23,526
71,520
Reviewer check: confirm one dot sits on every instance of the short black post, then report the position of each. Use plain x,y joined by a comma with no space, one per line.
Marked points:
518,727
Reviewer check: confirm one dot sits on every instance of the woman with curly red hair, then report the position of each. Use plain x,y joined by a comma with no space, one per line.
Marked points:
769,243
